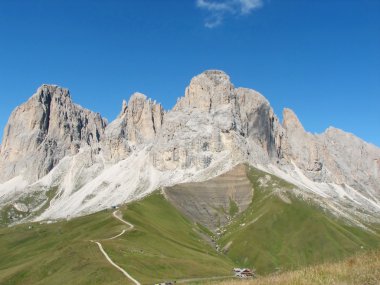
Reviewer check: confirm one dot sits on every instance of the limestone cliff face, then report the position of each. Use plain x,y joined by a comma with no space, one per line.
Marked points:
350,160
259,124
45,129
333,156
212,118
200,126
137,124
144,119
115,144
300,146
214,121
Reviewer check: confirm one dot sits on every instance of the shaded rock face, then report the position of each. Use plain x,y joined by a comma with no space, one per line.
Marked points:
45,129
259,124
213,122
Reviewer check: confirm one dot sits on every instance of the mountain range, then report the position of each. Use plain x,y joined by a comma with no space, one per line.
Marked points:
60,160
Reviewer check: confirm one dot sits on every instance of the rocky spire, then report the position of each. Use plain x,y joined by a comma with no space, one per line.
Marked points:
290,120
138,123
144,118
123,107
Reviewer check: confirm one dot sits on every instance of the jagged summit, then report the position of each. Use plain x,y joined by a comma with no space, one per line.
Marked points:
215,76
207,90
52,90
45,129
137,96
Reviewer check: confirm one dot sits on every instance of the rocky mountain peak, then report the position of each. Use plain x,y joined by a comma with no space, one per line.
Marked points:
332,131
215,76
207,91
290,120
137,97
45,129
50,90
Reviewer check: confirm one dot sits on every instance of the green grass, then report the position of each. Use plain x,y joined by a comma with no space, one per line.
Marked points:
50,194
164,245
39,199
277,232
57,253
205,230
362,268
4,214
234,209
274,235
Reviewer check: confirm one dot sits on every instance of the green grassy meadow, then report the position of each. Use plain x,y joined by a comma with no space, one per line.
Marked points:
278,232
58,253
163,245
361,268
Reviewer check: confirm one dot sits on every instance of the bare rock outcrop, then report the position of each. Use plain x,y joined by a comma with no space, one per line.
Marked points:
207,91
259,124
48,127
215,118
334,156
144,119
301,146
137,124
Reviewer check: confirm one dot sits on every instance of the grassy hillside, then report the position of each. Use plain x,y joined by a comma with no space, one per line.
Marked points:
58,253
277,232
36,202
164,245
362,268
280,231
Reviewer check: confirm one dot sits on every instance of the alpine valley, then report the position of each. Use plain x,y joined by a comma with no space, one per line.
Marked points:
215,183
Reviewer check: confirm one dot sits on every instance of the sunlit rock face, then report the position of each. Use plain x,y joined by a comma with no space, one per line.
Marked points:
333,156
138,124
48,127
213,127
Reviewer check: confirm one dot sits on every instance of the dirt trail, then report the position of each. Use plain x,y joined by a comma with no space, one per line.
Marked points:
117,215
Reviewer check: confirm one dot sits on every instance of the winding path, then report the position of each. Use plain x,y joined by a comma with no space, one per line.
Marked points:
117,215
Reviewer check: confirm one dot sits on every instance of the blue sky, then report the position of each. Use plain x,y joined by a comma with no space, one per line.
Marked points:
320,58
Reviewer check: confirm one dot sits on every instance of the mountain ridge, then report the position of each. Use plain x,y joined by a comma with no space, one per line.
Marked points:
50,141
